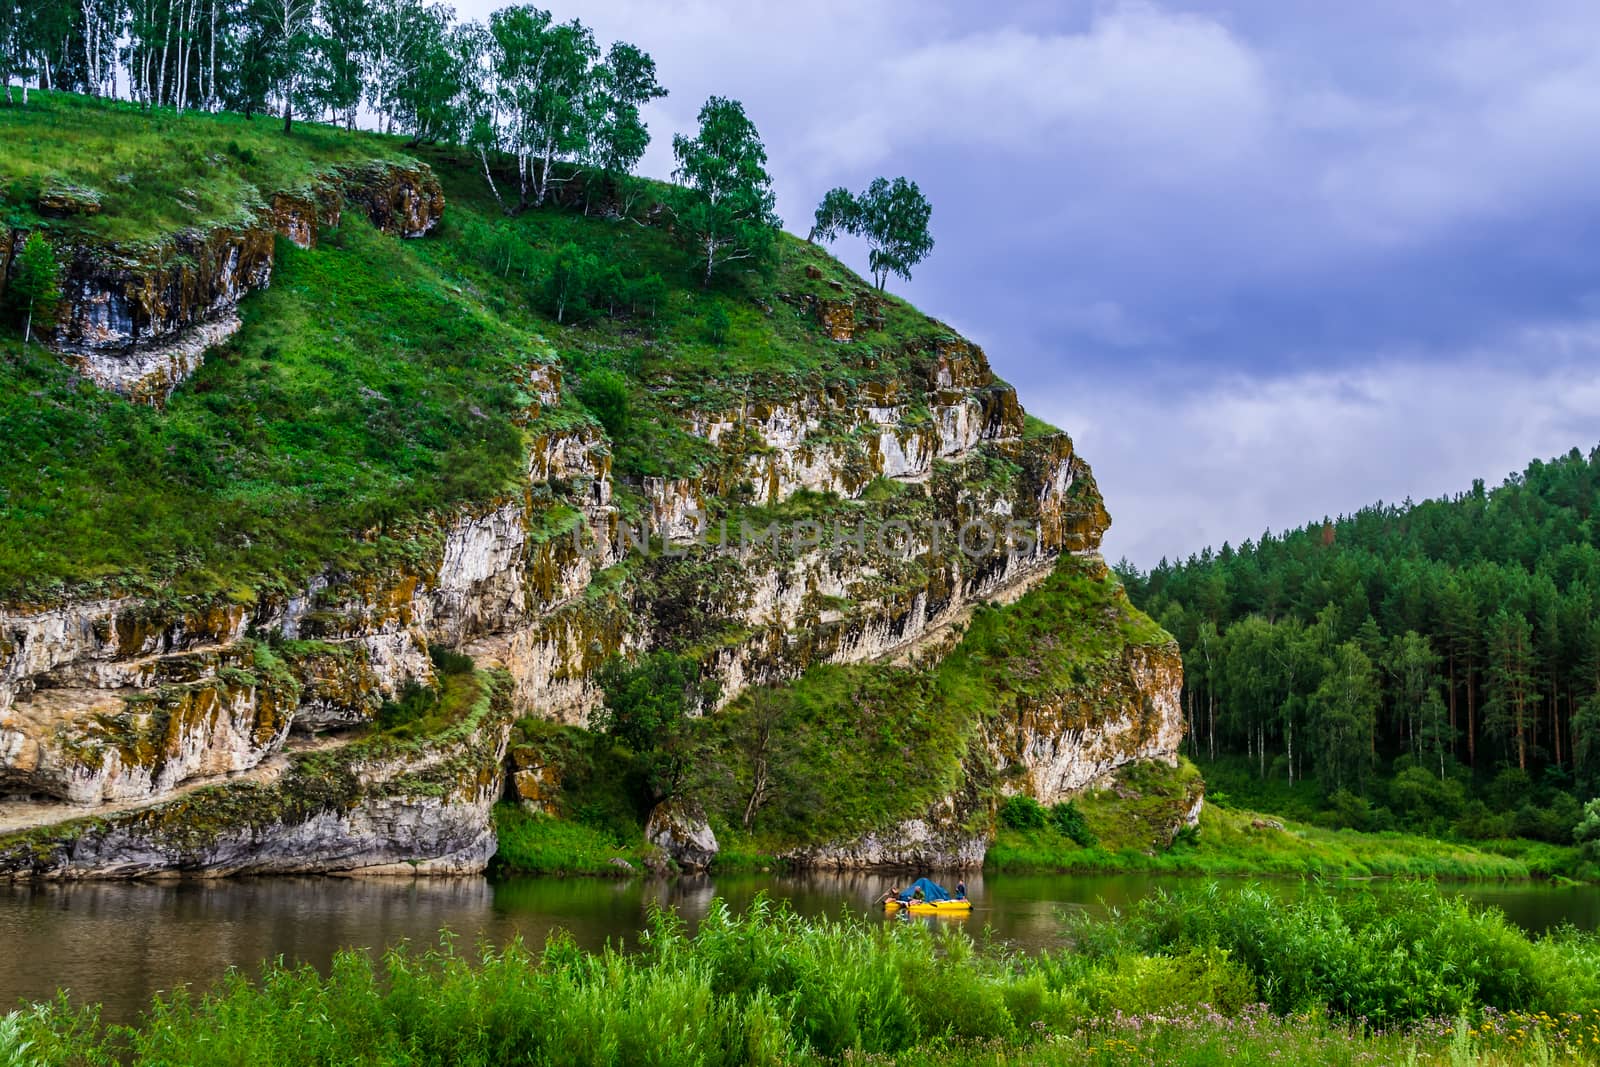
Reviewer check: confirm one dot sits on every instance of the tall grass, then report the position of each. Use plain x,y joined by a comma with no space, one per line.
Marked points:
766,987
14,1047
1184,973
1399,956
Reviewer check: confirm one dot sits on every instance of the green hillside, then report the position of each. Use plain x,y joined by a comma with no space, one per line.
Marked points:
375,384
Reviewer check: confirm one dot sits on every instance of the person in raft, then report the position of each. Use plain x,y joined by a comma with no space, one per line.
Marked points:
900,895
916,894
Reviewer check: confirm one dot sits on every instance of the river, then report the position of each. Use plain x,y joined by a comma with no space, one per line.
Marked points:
119,943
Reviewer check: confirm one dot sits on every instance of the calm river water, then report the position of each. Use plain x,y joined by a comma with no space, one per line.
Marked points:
120,943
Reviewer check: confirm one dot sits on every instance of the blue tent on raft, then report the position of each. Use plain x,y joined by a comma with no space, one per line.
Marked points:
931,891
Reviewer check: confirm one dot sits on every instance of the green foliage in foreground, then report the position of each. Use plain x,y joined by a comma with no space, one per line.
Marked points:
1199,1037
1399,956
768,987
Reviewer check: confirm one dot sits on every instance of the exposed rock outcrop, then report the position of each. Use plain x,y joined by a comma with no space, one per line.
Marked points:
1062,747
679,828
374,808
937,841
138,319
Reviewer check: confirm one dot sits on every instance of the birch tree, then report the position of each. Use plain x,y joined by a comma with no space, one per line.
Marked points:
35,289
894,220
617,135
288,36
342,37
725,208
543,72
432,100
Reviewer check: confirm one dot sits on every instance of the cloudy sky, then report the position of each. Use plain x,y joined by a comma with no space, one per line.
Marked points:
1266,260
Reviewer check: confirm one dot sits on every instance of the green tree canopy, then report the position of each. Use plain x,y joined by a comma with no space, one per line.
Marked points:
34,291
838,213
725,209
894,220
648,705
617,134
892,216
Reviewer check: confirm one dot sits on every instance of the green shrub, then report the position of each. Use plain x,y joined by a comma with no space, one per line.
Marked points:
1135,984
1068,821
1403,955
718,325
416,702
1022,812
448,662
605,394
1587,833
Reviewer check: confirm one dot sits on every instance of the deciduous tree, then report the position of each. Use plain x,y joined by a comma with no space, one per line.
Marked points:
34,291
725,208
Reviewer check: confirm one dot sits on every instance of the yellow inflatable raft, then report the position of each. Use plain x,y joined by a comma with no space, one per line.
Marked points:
931,907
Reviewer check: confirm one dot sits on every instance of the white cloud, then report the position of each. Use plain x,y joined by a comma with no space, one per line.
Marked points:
1229,460
1165,91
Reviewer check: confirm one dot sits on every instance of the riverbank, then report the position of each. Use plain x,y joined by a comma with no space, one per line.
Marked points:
1182,977
1229,844
1245,843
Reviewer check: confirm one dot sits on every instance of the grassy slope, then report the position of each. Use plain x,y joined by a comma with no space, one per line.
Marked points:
263,467
857,748
157,172
1230,843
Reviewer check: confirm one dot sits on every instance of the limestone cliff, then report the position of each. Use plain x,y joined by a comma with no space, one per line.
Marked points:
142,734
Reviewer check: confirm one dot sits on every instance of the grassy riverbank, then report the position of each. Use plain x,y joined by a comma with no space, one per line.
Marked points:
1238,844
1200,976
1242,843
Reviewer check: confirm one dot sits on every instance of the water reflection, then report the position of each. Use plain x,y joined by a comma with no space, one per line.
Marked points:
120,943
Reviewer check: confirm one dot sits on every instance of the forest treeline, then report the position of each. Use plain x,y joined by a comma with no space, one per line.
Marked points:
1435,664
520,83
537,101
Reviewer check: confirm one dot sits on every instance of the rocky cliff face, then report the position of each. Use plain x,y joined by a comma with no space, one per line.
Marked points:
138,319
924,498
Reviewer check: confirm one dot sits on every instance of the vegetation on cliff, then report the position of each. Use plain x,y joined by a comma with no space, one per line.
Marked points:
1323,976
1432,667
841,751
377,384
379,388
